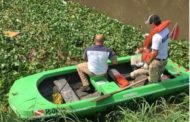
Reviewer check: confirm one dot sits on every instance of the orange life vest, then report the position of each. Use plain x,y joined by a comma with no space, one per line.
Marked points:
146,54
147,43
155,30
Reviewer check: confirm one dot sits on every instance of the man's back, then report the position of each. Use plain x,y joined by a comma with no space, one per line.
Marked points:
160,43
97,56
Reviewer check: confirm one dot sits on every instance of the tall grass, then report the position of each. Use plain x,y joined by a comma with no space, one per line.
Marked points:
7,115
171,109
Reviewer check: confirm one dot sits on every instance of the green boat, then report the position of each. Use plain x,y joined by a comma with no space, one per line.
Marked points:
31,97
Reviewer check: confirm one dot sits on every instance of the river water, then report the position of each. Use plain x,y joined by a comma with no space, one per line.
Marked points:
135,12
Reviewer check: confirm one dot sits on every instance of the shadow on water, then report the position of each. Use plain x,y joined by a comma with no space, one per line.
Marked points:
135,12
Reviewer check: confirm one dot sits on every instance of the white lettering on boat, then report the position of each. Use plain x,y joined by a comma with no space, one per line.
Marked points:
51,111
130,95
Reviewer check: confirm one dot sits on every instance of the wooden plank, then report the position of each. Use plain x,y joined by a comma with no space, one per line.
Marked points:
65,90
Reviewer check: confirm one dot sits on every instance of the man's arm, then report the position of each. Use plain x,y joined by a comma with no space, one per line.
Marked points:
113,57
153,55
156,40
114,60
85,55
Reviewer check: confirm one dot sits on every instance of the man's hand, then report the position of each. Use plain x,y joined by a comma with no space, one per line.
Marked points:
114,61
145,66
139,50
153,55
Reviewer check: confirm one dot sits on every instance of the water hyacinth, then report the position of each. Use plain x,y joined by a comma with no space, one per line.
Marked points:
54,34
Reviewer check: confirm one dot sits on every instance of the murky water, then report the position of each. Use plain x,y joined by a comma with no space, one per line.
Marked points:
135,12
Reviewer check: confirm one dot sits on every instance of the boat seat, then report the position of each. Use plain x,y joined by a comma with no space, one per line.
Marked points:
102,85
66,91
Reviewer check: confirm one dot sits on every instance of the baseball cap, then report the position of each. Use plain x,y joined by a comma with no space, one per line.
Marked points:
153,19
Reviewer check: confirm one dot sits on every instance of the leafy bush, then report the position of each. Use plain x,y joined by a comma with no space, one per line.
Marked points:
179,52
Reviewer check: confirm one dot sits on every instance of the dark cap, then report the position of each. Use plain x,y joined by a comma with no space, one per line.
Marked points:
153,19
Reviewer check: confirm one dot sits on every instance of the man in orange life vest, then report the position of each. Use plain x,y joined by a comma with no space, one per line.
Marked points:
158,54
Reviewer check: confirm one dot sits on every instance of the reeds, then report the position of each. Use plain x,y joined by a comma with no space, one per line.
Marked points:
171,109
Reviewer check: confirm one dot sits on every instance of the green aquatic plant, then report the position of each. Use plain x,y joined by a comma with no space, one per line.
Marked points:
55,33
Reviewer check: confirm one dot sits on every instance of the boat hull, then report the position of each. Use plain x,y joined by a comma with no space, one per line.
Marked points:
28,103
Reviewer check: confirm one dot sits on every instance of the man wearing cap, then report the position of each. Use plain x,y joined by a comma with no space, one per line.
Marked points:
96,57
158,53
